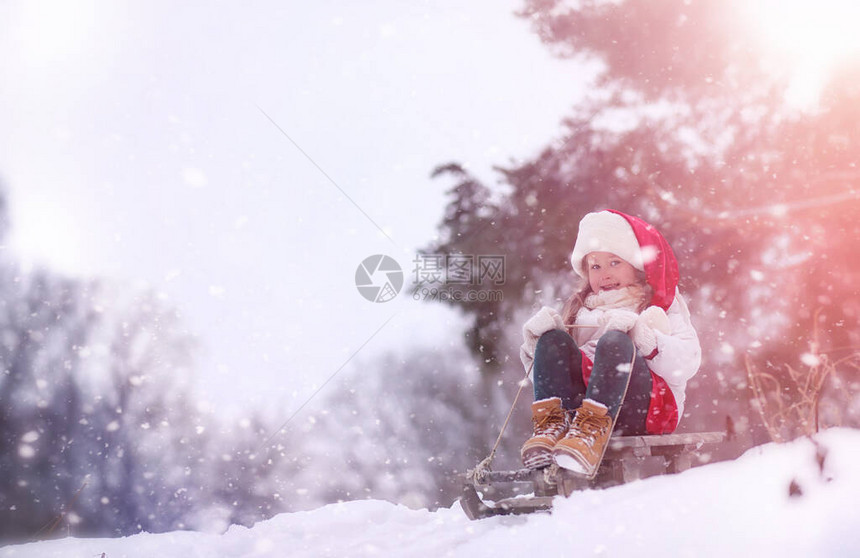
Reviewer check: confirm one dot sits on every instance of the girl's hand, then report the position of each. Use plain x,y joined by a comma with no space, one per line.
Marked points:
545,320
620,320
651,319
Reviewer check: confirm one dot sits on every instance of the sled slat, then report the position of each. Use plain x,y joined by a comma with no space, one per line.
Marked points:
696,439
520,475
525,505
475,508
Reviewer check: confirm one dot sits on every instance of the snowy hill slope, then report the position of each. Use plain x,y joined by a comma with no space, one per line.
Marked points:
739,508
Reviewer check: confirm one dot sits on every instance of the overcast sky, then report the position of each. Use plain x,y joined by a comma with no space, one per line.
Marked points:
243,159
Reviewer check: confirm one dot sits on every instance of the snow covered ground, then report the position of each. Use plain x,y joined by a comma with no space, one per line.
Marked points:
739,508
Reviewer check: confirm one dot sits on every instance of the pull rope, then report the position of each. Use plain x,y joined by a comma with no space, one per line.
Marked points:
480,474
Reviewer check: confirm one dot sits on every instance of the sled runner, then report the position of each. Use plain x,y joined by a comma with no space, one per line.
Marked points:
627,458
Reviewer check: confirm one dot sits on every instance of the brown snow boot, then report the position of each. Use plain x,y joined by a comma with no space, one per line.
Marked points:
550,425
582,449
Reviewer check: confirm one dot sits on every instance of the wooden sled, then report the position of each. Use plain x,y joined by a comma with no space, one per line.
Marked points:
627,458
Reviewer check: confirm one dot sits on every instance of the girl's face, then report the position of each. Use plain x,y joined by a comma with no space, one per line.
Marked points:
607,272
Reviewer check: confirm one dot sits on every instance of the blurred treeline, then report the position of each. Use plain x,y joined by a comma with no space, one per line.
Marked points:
98,432
101,433
686,127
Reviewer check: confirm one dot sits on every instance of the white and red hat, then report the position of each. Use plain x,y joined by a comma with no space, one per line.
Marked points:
634,241
605,231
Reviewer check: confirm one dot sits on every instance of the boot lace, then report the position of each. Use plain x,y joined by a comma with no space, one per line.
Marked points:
589,426
554,421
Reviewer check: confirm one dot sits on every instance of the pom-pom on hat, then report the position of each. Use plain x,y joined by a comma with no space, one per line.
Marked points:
606,231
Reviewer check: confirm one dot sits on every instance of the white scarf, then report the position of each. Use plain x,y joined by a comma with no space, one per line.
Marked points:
628,298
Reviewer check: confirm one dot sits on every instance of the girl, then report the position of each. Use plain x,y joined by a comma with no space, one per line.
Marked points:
631,350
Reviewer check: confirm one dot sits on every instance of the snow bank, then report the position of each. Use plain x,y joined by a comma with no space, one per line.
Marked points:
739,508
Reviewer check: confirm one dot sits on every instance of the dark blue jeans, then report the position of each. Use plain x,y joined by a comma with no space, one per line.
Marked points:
626,393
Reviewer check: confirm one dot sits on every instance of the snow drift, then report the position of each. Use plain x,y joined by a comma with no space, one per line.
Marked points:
796,499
